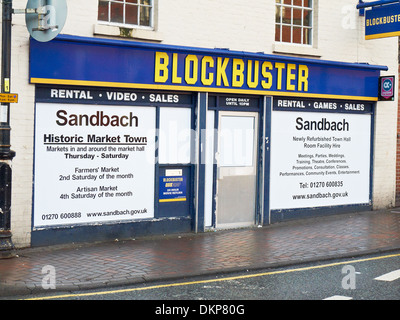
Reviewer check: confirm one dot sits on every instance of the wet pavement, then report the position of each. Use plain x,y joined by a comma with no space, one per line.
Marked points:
100,265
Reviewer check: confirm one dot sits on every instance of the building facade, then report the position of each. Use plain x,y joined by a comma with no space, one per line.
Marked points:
398,151
155,117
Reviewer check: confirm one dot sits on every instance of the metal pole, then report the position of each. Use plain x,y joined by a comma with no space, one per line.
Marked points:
7,249
363,4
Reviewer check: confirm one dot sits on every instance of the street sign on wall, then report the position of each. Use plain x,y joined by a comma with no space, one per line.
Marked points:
386,88
8,98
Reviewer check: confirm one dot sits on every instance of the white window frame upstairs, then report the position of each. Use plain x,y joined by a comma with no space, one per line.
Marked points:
125,3
281,5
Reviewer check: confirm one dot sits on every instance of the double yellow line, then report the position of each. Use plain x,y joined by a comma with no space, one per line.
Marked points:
178,284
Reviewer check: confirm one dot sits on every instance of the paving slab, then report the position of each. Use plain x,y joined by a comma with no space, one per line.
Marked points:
100,265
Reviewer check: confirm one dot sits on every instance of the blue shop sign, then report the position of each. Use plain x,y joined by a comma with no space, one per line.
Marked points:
79,61
382,22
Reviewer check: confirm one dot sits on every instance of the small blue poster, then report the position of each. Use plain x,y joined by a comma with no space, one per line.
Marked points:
172,188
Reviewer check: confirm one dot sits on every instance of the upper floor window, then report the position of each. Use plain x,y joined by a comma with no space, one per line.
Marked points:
126,12
294,23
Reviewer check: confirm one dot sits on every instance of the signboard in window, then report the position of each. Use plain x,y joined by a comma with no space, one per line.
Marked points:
92,163
322,157
172,188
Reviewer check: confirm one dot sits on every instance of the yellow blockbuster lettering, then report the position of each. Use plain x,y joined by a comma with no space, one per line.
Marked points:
161,67
280,66
267,75
237,73
221,71
175,78
207,81
191,61
252,80
290,77
302,84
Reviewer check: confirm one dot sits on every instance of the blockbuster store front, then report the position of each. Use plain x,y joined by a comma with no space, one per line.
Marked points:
135,139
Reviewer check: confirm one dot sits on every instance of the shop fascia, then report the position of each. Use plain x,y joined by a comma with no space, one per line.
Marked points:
165,67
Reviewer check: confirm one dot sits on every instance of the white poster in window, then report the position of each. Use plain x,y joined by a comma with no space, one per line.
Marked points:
93,164
175,135
319,159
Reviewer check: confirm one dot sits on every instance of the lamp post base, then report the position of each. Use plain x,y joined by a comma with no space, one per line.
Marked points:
7,249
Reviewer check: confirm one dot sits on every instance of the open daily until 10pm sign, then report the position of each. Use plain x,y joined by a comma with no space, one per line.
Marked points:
382,22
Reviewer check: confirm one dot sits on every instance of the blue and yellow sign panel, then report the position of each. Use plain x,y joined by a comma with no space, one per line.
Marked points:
382,22
172,188
70,60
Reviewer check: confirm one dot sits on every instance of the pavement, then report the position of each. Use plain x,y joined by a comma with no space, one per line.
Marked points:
169,257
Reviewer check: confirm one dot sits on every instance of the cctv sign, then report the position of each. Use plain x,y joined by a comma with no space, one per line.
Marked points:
386,88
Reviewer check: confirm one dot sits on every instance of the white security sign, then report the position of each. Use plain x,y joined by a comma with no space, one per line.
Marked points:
93,164
319,159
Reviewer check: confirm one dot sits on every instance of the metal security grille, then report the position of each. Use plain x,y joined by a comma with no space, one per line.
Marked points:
126,12
293,22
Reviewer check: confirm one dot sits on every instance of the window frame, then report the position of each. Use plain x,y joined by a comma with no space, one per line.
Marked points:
279,5
124,24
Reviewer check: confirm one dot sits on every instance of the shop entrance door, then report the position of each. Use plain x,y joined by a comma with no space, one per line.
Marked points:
236,169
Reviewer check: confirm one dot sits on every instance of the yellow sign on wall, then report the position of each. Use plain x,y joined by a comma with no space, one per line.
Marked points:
8,98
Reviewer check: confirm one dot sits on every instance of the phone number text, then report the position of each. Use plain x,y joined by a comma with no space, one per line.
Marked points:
321,184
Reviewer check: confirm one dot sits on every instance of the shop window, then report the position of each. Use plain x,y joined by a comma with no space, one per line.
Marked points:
294,21
175,136
126,12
